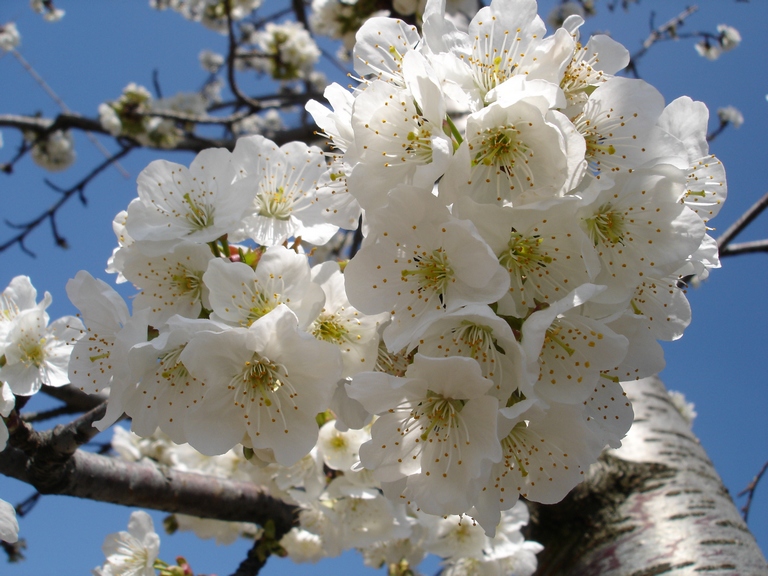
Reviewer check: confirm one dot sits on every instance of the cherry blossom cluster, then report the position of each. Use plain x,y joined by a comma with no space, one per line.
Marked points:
530,218
342,508
211,13
341,19
527,218
712,46
285,51
235,339
131,115
33,352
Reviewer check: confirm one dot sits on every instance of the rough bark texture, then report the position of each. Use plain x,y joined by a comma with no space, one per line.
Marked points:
655,506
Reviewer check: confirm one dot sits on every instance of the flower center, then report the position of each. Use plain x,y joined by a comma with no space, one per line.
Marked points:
492,65
499,146
277,204
523,255
433,273
188,281
513,447
441,415
595,141
172,369
262,306
200,215
328,328
607,226
553,336
258,381
33,351
419,147
580,76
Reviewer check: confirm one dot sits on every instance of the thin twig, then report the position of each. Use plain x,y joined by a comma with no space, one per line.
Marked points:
50,213
750,491
300,12
25,506
717,131
734,229
61,104
745,248
231,56
666,31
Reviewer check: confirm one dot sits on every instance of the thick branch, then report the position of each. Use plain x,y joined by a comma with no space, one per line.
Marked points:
74,397
147,485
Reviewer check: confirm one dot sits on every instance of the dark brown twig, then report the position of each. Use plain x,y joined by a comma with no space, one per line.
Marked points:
745,248
74,397
666,31
734,229
255,105
749,491
50,214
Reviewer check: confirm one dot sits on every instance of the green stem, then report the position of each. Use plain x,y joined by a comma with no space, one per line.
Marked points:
454,131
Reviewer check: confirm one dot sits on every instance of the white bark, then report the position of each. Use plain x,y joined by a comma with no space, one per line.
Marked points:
655,506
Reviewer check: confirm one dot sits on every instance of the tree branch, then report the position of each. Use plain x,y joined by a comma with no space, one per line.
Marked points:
749,491
148,485
666,31
50,214
74,397
745,248
734,229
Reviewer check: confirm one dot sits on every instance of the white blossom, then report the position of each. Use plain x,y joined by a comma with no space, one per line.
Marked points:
732,115
132,553
210,61
9,36
265,384
9,526
37,353
436,428
422,264
54,152
197,204
687,409
282,182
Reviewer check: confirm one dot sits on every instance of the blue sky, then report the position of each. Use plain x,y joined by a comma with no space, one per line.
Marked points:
99,47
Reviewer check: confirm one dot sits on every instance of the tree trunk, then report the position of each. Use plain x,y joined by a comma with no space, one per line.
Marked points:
655,506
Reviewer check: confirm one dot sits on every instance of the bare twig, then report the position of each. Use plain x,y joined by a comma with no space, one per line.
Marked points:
666,31
734,229
749,491
49,414
255,105
745,248
263,547
50,214
300,11
52,463
64,108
